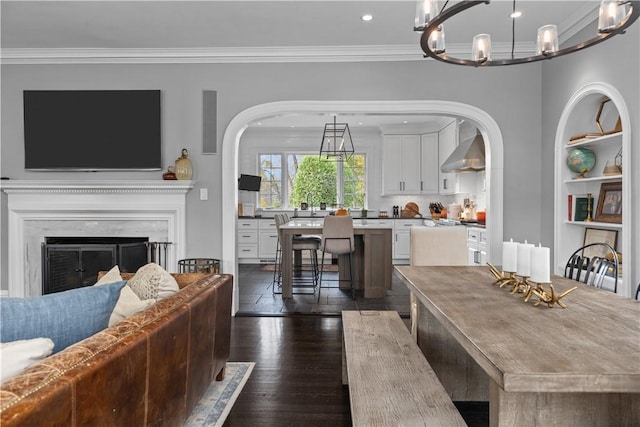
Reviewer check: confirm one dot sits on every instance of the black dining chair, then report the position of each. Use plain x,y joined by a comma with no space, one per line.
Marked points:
599,261
638,292
309,243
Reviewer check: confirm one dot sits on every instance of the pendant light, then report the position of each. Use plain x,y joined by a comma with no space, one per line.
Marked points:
336,144
547,41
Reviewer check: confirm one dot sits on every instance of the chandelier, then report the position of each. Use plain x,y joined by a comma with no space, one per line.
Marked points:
336,142
614,17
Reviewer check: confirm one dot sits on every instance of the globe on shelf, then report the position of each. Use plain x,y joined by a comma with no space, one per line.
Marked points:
581,160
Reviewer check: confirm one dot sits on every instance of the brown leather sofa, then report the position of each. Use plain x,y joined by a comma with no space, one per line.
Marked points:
149,369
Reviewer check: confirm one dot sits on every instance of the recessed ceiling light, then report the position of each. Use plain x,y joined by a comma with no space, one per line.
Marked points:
516,14
405,122
259,123
366,17
360,123
292,126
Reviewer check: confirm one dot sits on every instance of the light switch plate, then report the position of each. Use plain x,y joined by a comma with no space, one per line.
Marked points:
204,194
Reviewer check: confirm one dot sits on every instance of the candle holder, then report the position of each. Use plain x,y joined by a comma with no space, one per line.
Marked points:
523,285
588,218
550,297
503,280
532,287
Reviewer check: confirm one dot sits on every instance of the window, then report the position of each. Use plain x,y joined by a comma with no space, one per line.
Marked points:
355,181
309,180
271,186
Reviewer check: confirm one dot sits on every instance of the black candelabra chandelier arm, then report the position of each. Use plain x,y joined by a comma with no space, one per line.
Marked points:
435,24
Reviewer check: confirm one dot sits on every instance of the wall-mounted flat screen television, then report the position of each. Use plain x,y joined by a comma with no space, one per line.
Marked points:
249,182
91,130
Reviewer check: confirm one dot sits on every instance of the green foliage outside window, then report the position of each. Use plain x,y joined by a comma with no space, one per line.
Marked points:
354,181
308,179
315,182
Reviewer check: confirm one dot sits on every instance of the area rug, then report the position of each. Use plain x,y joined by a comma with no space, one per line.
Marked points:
215,405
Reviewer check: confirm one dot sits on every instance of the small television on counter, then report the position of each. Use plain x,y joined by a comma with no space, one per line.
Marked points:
249,182
92,130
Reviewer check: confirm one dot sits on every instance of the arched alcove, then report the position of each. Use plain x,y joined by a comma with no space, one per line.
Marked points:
578,117
483,121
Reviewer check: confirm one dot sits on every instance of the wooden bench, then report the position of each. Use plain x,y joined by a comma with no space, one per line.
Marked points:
390,381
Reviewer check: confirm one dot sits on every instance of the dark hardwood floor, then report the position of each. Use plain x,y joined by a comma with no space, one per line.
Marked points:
297,377
256,297
296,345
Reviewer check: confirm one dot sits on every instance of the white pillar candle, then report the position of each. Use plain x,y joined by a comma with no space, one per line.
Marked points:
510,256
524,259
540,264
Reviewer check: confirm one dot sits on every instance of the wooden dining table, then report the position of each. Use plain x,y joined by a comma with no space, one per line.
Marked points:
372,258
535,365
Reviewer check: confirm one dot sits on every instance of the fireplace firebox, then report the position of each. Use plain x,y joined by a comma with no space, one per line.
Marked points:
74,262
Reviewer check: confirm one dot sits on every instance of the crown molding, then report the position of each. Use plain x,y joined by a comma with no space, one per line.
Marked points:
578,21
17,56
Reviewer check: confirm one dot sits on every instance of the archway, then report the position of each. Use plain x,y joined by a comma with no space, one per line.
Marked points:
483,121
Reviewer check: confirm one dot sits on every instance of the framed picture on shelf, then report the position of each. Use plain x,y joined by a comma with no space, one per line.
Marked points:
596,235
610,203
607,118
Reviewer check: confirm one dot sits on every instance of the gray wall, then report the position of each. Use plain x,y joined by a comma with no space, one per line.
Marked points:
616,62
511,95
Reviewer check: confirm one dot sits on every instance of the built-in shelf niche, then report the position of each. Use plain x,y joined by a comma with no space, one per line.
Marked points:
579,117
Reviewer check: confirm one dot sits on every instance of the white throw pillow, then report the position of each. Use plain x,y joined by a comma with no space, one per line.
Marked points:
17,356
128,303
112,275
152,282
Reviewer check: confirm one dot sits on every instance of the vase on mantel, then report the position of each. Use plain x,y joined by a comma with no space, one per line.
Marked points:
182,166
169,175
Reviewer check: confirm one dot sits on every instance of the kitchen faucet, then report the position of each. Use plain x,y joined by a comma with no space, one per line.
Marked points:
309,204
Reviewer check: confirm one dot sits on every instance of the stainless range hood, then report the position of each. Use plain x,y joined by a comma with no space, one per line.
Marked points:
467,157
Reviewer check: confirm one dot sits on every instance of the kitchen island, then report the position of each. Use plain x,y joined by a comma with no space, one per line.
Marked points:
372,259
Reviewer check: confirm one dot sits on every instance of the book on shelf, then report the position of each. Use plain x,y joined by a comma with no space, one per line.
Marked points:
578,207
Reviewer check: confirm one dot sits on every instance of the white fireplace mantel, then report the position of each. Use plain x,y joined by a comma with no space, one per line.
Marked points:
38,209
88,187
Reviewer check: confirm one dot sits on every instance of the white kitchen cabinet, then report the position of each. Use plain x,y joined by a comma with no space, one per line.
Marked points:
410,164
401,164
476,246
402,238
447,142
247,238
257,240
268,239
429,166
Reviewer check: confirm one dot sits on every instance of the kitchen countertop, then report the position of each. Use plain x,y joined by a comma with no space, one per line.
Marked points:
474,224
322,216
465,223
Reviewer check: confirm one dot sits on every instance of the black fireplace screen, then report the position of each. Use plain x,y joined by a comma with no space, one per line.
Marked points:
69,263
